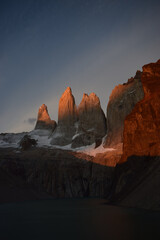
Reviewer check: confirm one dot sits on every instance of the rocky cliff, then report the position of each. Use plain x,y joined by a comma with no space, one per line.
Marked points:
67,118
91,116
79,126
67,109
121,102
142,125
91,121
43,120
133,121
59,173
136,183
43,173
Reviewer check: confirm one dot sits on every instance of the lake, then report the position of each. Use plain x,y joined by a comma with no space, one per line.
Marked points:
76,219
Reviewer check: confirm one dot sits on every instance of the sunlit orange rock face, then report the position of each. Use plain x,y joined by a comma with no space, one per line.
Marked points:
79,126
43,120
67,117
67,108
142,125
121,102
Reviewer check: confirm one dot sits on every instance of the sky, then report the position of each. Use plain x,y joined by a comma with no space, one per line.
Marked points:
89,45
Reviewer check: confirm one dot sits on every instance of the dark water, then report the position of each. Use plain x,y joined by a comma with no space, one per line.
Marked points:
76,219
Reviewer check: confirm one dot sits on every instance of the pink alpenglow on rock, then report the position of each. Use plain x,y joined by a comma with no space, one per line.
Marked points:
67,108
67,118
44,121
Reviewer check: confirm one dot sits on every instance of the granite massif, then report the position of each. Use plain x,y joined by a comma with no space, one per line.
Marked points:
142,125
126,174
43,120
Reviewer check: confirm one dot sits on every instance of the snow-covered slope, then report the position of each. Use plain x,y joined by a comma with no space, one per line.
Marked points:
43,138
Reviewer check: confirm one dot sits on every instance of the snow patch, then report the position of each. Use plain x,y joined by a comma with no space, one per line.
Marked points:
42,137
132,91
92,151
43,140
76,135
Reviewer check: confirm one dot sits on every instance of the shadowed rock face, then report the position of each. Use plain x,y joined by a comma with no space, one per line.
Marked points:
56,172
142,125
91,121
43,120
121,102
91,116
136,183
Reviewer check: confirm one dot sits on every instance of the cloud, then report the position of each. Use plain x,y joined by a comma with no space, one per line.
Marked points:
31,121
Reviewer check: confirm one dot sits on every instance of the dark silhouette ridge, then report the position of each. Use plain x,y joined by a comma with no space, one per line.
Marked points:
43,173
136,183
54,172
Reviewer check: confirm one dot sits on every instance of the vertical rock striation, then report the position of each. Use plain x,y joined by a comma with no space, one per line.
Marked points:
67,109
82,126
67,118
91,121
142,125
91,116
121,102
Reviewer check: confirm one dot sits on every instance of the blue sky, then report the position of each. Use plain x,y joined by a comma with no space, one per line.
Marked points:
89,45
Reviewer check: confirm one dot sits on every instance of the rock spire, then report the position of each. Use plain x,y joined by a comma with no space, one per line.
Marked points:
43,120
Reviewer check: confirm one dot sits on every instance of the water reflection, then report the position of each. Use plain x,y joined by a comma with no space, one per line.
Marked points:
76,219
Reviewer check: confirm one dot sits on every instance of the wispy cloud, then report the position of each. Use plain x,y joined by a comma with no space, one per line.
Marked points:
30,121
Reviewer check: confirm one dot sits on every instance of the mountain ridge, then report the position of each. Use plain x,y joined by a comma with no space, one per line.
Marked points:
78,159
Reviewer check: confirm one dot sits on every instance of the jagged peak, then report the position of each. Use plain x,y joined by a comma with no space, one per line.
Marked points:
43,114
43,120
68,90
89,100
67,94
85,95
152,68
43,106
67,107
93,96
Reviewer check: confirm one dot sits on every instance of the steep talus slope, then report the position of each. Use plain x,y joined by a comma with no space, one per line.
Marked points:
142,125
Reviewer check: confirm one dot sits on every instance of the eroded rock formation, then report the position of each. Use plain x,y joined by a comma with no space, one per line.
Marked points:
43,120
67,109
142,125
82,126
91,121
67,118
91,116
121,102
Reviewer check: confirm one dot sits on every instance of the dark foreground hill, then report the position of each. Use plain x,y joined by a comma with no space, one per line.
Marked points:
46,173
